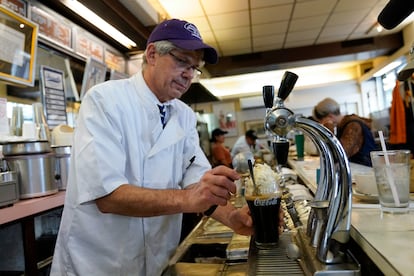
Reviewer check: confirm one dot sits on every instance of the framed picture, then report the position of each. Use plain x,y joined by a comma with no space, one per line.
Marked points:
18,6
256,125
95,72
17,48
226,114
116,75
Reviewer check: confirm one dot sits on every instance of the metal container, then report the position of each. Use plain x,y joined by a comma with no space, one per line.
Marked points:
26,147
35,174
9,189
62,154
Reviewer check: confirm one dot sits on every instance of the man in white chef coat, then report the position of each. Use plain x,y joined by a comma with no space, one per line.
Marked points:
248,142
137,167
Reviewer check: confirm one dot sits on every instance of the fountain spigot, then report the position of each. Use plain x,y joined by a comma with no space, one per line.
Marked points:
335,185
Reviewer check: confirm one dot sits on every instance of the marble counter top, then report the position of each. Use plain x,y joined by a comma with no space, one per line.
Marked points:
388,240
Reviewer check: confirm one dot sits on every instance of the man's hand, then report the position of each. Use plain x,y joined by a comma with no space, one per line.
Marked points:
214,188
241,221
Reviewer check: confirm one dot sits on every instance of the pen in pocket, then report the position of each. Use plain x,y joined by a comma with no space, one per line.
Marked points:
191,161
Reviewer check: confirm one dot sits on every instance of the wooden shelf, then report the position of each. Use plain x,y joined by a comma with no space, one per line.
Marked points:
28,207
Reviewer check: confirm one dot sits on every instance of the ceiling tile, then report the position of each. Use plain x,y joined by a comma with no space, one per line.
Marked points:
269,29
212,7
343,30
304,35
328,39
357,35
312,8
271,14
232,45
266,40
182,8
238,51
307,23
354,5
208,37
268,47
233,33
363,27
299,43
268,3
229,20
346,17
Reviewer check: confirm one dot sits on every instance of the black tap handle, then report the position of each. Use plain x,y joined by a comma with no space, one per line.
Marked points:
268,95
286,86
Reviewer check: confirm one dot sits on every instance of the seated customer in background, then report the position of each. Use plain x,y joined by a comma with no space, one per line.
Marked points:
247,142
353,131
220,154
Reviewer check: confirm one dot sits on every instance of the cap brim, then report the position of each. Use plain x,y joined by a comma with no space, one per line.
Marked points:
210,54
406,72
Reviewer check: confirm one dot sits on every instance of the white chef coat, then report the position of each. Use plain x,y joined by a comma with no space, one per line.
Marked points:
119,139
242,146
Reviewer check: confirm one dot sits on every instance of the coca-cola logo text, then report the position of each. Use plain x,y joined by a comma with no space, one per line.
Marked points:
265,202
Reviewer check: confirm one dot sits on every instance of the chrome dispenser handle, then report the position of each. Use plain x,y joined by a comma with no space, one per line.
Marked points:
268,95
286,86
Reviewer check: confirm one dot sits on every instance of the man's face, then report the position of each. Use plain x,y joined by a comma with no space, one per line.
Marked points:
172,73
250,141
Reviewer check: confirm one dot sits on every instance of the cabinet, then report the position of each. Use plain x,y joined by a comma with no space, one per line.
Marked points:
27,234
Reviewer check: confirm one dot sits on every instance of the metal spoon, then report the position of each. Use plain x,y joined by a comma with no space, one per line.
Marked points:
249,162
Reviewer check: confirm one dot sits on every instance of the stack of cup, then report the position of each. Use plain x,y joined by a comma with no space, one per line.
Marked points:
29,130
40,121
16,121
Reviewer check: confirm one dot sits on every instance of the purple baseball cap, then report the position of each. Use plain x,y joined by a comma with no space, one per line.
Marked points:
184,35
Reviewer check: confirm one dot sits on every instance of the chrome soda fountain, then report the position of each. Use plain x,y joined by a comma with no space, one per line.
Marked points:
330,220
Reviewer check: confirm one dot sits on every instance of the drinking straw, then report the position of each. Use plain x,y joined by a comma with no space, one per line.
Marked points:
388,169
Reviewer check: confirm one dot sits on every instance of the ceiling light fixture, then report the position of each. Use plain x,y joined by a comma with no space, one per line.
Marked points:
97,21
377,26
388,68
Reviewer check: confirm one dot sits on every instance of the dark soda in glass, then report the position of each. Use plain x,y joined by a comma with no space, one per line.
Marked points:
264,210
281,151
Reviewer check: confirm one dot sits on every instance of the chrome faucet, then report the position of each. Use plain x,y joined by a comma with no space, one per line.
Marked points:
330,220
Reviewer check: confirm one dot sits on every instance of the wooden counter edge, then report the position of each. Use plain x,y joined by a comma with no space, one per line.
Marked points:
27,207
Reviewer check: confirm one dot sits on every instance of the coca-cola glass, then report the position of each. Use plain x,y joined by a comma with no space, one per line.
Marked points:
263,199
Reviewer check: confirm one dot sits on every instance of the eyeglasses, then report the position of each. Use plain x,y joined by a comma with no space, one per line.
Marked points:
183,64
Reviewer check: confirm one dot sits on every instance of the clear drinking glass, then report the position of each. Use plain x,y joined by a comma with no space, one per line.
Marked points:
392,176
264,204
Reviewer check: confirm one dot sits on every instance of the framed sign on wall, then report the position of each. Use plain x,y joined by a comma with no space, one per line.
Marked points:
226,114
257,126
53,95
17,48
95,72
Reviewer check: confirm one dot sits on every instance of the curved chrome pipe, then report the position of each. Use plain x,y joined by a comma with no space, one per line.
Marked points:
335,183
